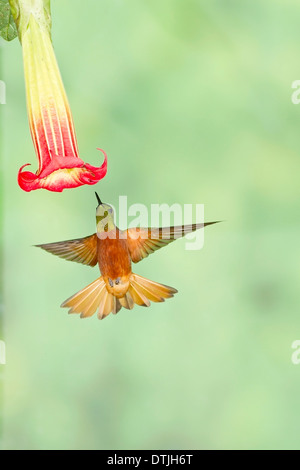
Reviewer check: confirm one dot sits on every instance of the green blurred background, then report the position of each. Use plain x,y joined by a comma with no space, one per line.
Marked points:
191,100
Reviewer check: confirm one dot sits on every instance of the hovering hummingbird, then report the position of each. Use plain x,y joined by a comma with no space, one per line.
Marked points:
114,250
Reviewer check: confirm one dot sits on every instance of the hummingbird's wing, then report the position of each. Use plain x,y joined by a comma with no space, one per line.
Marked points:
144,241
80,250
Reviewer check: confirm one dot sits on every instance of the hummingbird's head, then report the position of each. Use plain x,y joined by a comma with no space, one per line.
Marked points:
104,217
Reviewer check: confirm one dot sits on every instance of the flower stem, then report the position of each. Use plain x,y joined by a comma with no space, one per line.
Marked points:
22,10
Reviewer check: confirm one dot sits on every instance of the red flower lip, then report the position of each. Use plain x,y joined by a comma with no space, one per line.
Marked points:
61,173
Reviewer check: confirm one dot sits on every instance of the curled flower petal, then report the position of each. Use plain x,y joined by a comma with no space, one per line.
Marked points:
74,174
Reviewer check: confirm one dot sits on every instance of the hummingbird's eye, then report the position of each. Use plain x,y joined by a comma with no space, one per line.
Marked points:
110,282
117,281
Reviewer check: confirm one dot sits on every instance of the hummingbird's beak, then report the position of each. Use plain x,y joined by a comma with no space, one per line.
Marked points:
98,199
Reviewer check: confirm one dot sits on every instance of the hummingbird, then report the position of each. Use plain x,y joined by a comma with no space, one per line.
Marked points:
115,250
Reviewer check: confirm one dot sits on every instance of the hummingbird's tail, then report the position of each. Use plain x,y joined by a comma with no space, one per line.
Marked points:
96,297
93,297
143,291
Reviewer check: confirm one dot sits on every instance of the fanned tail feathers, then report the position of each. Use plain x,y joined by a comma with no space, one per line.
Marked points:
87,300
143,290
96,297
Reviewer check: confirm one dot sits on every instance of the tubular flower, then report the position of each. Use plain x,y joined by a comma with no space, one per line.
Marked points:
50,118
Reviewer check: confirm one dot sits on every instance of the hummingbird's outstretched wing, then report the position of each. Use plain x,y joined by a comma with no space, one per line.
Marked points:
81,250
144,241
